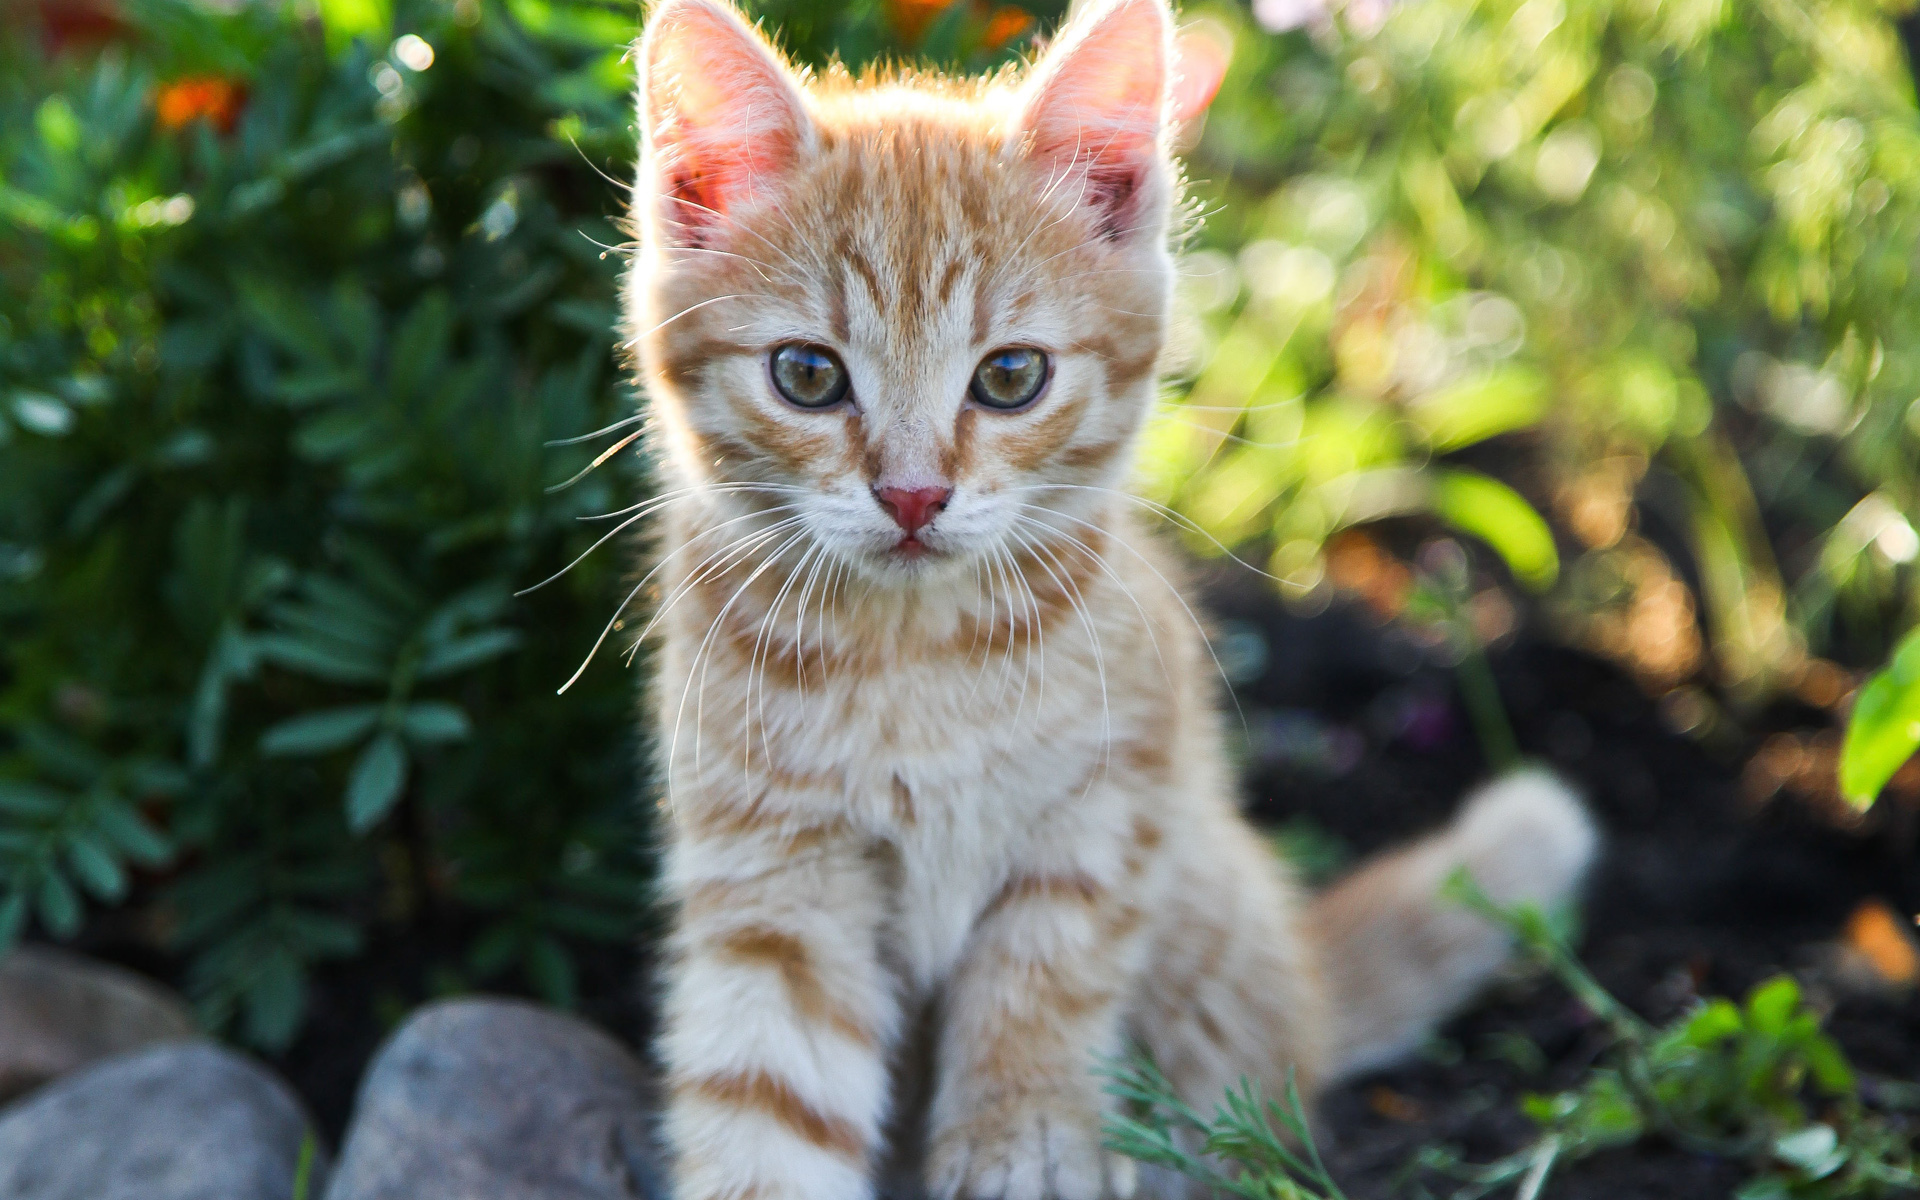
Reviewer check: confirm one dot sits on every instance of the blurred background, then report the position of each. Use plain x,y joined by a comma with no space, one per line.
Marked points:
1553,367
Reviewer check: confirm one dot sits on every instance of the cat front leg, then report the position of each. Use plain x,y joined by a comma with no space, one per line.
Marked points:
779,1016
1035,1005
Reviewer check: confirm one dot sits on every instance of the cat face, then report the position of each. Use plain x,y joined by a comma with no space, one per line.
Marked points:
916,320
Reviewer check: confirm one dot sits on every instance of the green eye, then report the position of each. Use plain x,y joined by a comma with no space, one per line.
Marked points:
808,376
1009,378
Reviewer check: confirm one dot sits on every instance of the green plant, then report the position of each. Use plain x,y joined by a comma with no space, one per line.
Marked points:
1439,597
1252,1146
1883,730
1758,1081
1646,263
273,399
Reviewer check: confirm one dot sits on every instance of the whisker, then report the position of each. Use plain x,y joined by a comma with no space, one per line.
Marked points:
602,457
1068,588
587,437
1180,518
1181,599
617,612
702,660
637,338
1106,568
643,509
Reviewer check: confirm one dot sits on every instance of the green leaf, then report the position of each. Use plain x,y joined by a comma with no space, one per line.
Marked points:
321,935
96,868
1771,1007
376,783
1832,1073
420,346
1884,729
434,721
321,732
1479,407
1716,1021
550,969
332,662
1498,516
13,917
286,318
59,905
469,651
22,799
275,999
131,832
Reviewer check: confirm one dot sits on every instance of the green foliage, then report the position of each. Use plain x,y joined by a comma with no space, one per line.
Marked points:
1727,1079
1660,250
1758,1081
1883,730
1251,1146
273,404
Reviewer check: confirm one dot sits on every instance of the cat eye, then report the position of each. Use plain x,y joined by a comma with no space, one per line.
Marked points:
808,376
1009,378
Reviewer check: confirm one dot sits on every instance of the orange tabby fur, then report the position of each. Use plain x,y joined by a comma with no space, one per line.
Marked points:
949,822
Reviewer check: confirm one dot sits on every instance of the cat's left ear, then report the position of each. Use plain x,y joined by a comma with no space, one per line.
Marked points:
721,116
1097,105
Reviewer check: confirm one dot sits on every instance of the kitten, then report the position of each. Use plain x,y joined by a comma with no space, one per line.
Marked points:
939,735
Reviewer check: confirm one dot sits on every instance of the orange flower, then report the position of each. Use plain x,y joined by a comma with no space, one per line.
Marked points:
1004,25
184,100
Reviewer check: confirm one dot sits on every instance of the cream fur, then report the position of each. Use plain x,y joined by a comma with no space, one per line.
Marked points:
948,826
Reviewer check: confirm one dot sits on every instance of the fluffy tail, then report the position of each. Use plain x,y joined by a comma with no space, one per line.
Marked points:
1400,957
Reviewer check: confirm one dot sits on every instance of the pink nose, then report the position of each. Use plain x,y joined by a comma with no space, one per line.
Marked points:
912,508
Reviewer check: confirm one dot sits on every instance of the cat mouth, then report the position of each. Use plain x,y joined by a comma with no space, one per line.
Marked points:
911,547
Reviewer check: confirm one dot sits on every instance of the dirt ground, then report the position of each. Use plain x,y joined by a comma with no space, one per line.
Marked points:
1701,890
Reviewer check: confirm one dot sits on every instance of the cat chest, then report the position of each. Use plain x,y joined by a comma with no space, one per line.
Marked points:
949,787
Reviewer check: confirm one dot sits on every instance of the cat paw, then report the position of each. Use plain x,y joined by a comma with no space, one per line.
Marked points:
1031,1157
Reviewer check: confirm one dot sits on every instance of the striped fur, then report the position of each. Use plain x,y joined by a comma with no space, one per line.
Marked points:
948,826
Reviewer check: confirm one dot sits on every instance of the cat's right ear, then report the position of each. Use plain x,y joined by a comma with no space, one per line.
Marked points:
721,117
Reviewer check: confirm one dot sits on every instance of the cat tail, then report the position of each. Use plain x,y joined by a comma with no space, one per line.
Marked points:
1400,957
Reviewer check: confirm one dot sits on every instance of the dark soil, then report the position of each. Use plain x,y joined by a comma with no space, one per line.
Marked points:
1356,737
1700,890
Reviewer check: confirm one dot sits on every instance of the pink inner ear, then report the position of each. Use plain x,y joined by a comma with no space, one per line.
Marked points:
1098,104
723,117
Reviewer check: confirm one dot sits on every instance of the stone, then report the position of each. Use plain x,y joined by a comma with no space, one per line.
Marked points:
61,1011
184,1122
480,1099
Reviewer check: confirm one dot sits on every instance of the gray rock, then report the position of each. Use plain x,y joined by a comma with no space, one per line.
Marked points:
499,1100
61,1011
184,1122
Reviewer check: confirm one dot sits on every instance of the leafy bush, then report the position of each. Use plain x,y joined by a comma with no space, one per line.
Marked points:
290,317
1648,263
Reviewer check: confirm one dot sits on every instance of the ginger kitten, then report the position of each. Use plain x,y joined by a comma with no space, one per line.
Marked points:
940,738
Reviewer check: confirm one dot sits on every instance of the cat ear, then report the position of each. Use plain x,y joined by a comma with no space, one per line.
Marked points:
720,114
1097,104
